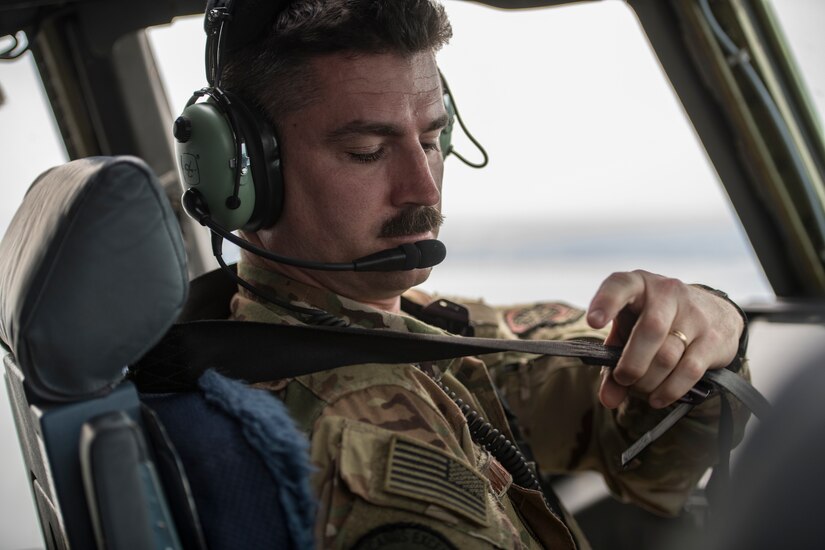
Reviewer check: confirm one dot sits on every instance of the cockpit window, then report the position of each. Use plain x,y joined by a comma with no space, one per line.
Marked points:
593,165
30,141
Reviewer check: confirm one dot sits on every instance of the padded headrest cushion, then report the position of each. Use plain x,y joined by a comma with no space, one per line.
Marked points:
92,274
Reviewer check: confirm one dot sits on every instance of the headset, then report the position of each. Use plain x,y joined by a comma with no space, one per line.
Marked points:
227,150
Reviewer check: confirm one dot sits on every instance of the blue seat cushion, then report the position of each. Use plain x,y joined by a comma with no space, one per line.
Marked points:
247,464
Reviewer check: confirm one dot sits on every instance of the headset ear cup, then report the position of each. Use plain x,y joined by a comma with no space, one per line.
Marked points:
265,162
206,151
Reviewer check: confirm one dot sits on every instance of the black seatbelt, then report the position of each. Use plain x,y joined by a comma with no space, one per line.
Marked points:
258,352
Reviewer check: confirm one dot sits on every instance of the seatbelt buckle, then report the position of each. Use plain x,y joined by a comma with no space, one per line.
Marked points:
700,392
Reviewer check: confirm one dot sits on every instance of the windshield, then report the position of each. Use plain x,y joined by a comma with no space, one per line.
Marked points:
593,165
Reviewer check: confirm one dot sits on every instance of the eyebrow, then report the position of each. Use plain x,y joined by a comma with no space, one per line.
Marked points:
363,127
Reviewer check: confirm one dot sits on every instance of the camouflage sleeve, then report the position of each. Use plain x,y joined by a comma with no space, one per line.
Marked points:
556,402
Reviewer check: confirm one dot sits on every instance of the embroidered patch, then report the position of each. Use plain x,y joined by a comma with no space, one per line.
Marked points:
428,474
403,536
525,319
500,479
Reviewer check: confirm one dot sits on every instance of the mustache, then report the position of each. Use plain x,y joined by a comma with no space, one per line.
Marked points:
412,221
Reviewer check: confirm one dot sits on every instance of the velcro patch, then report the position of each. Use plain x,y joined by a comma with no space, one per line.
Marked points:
424,473
403,536
500,479
525,319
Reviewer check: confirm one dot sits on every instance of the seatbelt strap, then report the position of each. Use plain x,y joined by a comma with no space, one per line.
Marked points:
259,352
741,389
731,383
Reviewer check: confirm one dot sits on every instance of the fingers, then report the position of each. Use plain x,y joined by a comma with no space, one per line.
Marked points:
672,334
611,394
689,370
616,292
666,359
648,339
656,301
669,376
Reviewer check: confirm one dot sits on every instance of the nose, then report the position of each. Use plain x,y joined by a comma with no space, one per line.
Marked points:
417,180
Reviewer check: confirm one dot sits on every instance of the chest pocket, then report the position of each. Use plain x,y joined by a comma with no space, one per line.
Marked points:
411,481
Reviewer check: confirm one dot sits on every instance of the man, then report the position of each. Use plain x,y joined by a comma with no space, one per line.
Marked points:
353,90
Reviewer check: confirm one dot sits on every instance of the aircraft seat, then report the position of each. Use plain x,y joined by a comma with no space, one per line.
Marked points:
92,275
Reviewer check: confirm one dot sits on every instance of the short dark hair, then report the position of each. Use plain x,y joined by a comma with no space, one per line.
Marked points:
274,71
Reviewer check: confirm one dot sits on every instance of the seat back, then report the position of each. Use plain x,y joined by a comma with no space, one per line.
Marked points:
92,274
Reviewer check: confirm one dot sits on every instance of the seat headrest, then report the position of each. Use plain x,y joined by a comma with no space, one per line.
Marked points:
92,274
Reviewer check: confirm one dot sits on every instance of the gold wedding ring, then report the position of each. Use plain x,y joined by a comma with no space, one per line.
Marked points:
681,336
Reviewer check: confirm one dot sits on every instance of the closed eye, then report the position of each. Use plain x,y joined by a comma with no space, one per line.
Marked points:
368,157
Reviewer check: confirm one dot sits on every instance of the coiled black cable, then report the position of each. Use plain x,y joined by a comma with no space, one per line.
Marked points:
504,450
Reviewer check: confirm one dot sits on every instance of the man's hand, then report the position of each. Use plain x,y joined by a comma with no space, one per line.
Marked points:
651,314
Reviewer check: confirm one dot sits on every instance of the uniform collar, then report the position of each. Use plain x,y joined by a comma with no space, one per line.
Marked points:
249,307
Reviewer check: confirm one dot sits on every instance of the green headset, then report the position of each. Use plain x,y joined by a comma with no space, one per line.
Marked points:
228,151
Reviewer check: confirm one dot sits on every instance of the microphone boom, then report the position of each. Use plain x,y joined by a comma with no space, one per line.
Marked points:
408,256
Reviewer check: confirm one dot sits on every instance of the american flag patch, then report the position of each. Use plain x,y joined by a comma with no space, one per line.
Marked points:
424,473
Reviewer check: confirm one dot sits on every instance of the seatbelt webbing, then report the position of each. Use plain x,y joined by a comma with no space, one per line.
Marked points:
258,352
741,389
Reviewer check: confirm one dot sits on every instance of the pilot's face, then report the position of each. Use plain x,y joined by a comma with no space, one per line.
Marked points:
364,151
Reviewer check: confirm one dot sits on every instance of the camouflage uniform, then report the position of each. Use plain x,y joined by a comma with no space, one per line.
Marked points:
394,457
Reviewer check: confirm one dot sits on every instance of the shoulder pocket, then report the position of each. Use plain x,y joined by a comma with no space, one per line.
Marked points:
389,469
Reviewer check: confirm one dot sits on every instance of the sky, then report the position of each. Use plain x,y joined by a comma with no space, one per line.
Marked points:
575,112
